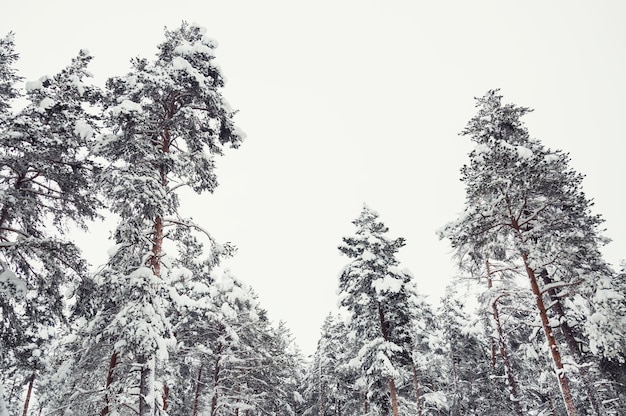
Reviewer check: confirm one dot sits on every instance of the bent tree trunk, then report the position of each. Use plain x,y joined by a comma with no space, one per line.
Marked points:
512,382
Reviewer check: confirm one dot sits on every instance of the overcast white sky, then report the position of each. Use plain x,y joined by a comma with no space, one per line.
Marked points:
346,102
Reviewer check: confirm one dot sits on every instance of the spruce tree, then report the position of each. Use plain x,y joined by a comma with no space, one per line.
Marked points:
377,295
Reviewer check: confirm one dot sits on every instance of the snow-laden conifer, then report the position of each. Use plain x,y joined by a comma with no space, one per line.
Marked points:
525,205
166,120
377,295
45,184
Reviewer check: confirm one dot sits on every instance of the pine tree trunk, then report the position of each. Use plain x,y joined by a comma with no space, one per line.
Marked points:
165,396
112,364
196,398
572,345
28,394
512,383
394,397
562,378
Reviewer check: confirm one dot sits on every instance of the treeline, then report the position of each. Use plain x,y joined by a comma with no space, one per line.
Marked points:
534,323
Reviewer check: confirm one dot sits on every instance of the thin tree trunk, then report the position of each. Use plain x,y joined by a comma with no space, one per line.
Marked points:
196,398
512,382
112,364
562,378
394,397
216,381
572,345
165,396
28,393
507,362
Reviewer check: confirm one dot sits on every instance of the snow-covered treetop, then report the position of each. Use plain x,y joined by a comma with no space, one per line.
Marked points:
370,239
8,74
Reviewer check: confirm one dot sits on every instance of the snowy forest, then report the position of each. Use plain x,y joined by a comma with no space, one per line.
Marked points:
533,323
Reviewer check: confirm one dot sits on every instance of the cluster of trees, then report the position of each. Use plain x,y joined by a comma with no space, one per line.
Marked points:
534,324
156,330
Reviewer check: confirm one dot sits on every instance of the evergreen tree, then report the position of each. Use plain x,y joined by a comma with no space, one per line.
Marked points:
377,295
167,121
525,204
45,182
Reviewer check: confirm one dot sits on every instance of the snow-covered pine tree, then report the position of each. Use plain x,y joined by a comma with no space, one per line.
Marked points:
167,120
45,183
377,295
524,200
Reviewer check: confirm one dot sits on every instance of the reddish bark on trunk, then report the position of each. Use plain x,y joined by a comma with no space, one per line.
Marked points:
112,364
28,394
507,361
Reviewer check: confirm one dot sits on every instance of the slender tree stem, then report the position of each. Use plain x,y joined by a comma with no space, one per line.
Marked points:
28,394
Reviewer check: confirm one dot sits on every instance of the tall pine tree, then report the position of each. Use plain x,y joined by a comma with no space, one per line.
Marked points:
525,204
167,121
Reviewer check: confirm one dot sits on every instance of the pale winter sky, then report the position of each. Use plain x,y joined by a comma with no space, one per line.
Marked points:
346,102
